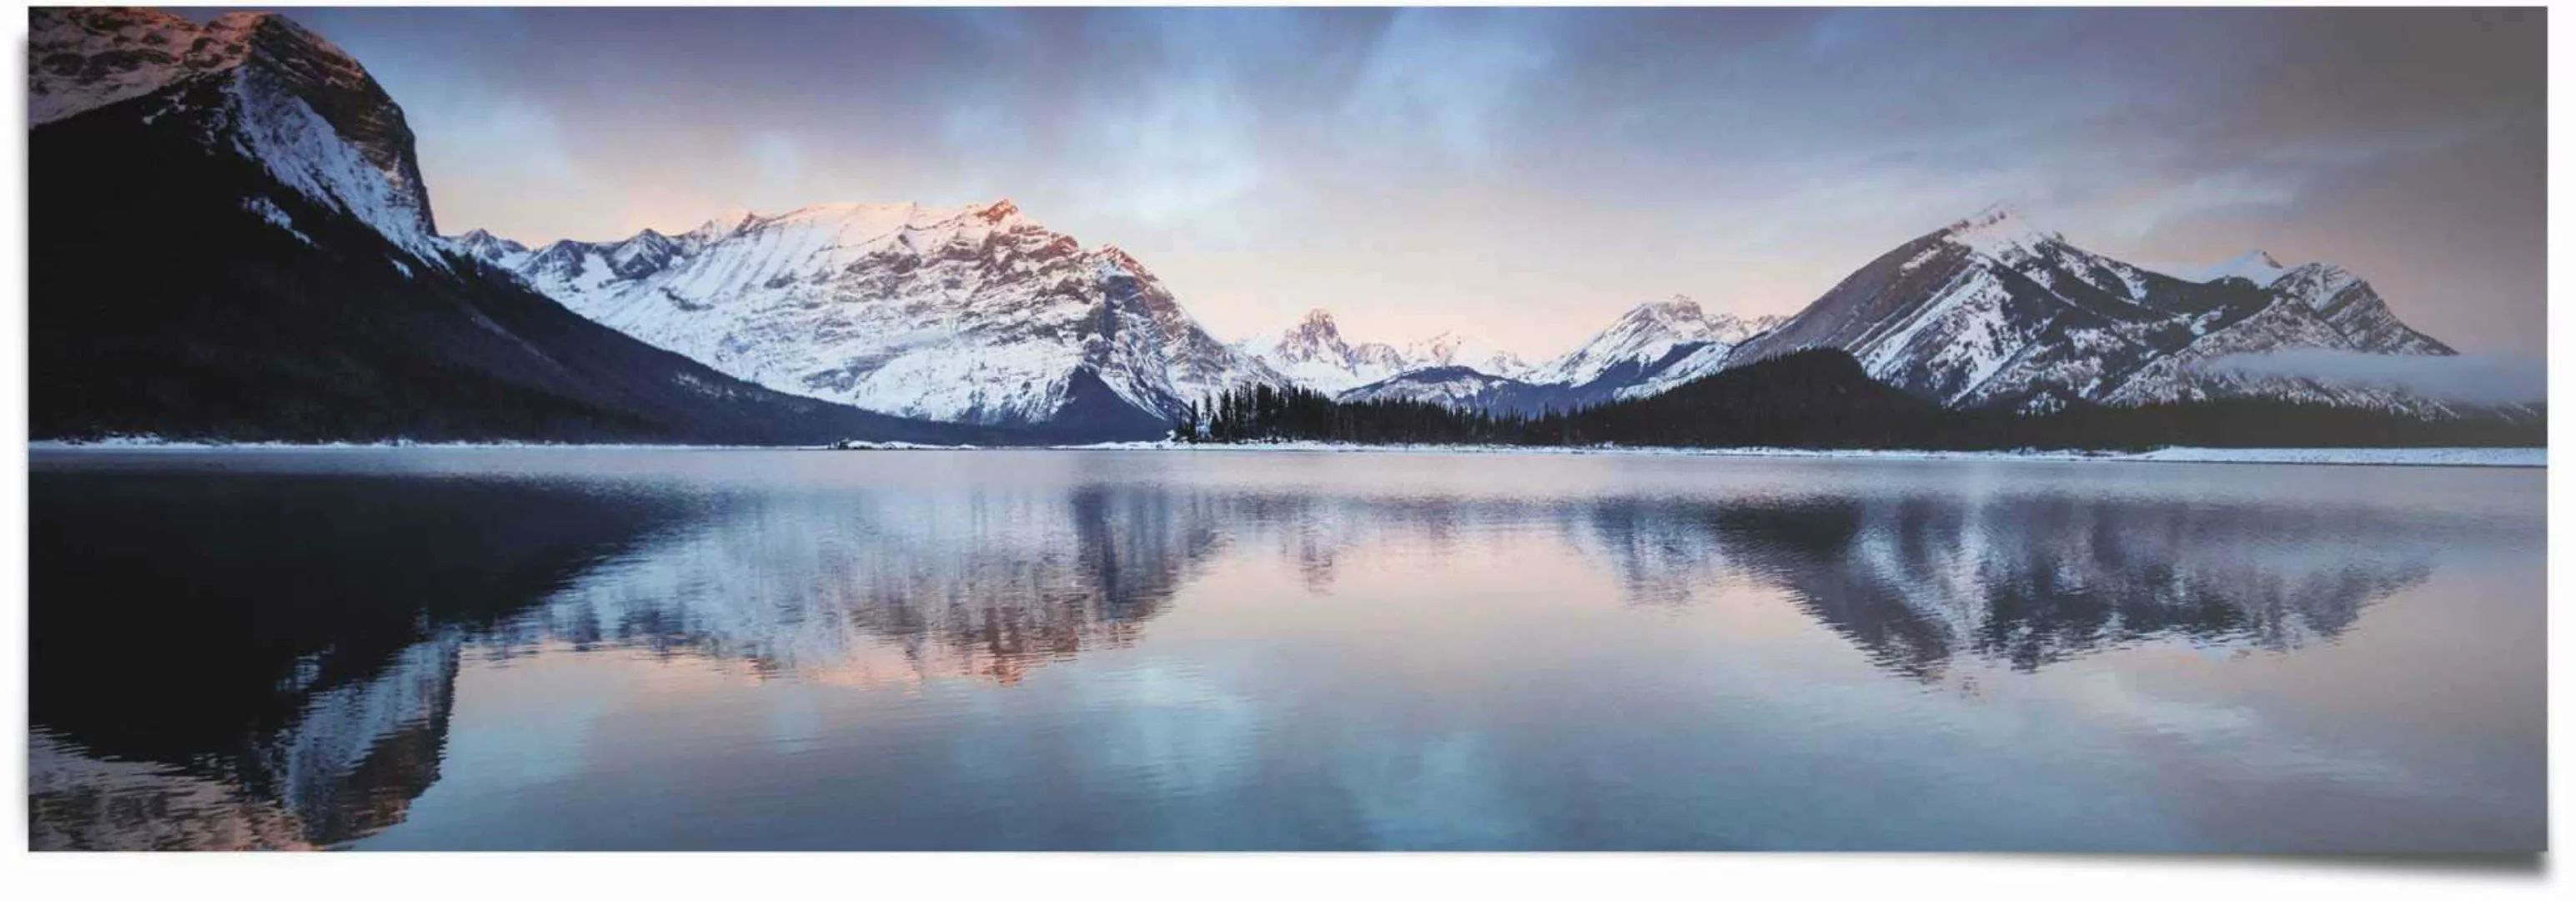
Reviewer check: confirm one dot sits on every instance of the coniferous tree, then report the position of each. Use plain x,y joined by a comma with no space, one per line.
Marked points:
1823,399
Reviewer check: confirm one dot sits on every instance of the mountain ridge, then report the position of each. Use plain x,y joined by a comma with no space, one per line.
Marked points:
1994,311
977,315
295,289
972,314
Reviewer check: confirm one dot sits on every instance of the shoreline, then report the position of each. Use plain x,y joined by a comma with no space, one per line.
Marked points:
2496,457
2499,457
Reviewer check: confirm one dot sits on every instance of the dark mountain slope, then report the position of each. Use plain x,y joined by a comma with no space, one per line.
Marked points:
178,287
161,304
1817,398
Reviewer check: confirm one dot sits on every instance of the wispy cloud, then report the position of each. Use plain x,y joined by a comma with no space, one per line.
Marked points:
1443,81
1533,171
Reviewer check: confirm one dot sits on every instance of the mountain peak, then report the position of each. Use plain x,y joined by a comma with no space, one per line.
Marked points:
1678,315
242,21
1678,305
488,247
260,21
1312,334
288,98
1000,210
2000,230
1643,335
303,56
1119,255
725,225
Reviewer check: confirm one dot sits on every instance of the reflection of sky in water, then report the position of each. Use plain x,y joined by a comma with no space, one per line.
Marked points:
1106,650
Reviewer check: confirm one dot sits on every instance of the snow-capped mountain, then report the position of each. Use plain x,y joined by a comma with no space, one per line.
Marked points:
1643,337
1648,350
269,89
963,314
1686,363
298,289
237,243
1313,353
1455,349
2348,304
1464,388
492,249
1992,310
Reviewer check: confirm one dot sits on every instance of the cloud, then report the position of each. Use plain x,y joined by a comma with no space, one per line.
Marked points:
1445,79
1179,151
1541,170
2482,379
2212,193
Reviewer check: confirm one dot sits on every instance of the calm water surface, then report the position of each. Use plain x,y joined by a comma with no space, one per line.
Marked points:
540,649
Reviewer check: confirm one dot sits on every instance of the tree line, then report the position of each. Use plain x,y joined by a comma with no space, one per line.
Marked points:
1822,399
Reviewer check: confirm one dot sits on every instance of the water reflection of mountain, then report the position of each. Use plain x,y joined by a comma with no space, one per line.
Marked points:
895,586
270,661
2028,580
349,766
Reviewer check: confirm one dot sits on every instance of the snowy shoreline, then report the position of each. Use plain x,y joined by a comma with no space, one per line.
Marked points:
2524,457
2514,457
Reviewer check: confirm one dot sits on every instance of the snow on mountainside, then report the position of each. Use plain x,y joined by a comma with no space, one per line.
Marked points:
1449,386
967,314
1646,335
1314,354
238,245
1992,310
976,314
1454,349
289,99
491,249
1696,362
1649,350
2347,303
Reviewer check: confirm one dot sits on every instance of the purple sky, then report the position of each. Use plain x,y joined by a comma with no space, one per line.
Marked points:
1521,174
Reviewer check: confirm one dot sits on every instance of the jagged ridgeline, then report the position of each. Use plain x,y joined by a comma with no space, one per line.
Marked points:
1824,399
232,239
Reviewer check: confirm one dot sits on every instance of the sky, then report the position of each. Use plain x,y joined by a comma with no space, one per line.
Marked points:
1524,175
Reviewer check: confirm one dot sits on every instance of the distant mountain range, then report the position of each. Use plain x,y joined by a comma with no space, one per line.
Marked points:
1650,349
1313,354
298,289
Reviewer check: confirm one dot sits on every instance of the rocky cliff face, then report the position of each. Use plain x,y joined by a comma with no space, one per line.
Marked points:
280,94
236,242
